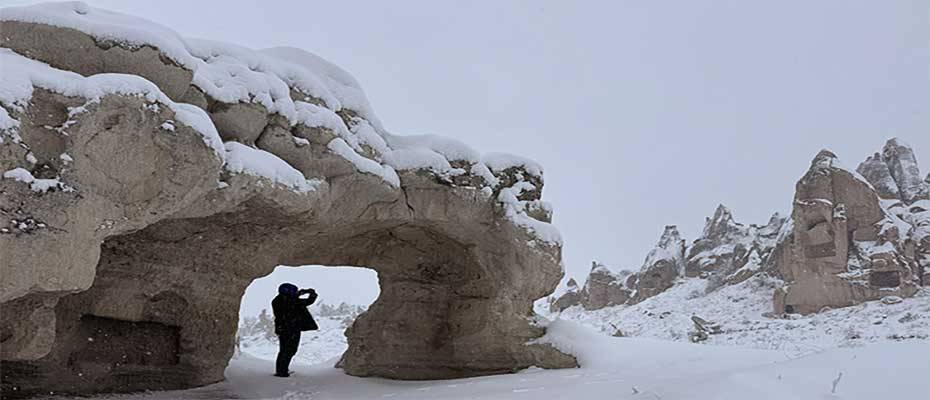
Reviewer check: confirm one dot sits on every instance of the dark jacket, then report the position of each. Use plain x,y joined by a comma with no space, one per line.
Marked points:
291,314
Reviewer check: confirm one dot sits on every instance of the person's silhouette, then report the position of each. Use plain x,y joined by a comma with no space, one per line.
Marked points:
291,317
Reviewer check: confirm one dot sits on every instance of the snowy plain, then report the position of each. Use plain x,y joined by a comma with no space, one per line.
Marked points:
613,368
869,351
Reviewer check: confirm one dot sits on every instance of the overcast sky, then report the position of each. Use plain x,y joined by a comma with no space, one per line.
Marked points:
643,113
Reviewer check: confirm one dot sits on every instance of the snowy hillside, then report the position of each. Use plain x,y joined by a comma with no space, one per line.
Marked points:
740,311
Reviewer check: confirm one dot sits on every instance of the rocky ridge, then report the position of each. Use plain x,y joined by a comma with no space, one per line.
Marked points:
851,237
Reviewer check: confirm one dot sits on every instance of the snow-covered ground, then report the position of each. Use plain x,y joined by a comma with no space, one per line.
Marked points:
315,347
739,310
869,351
256,336
614,368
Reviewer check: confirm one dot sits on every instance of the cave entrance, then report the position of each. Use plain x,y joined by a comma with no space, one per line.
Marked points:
344,293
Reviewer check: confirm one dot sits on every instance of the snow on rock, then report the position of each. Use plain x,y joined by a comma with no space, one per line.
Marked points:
406,159
435,153
450,149
670,248
8,126
363,164
316,116
37,185
21,76
516,210
498,162
288,82
339,84
105,25
232,73
244,159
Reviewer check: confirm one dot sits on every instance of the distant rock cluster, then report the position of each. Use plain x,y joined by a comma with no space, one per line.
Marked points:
852,236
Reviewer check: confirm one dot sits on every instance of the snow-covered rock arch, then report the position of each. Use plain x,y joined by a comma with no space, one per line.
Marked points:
147,179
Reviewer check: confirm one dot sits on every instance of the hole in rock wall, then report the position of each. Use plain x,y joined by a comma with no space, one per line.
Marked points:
111,342
343,294
885,279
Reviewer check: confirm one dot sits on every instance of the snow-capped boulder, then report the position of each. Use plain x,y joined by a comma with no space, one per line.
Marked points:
74,37
130,225
844,248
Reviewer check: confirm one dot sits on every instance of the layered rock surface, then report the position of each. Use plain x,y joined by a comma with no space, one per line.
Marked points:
850,238
147,179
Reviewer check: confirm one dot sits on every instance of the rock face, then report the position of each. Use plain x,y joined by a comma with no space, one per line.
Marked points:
130,226
844,247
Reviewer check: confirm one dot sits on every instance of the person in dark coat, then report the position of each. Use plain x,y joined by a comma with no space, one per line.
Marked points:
291,317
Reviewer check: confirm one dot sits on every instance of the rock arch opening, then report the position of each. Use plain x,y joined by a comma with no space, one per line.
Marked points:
344,294
162,312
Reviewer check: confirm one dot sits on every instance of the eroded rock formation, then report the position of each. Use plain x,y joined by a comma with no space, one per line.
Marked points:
136,207
727,252
844,247
851,238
